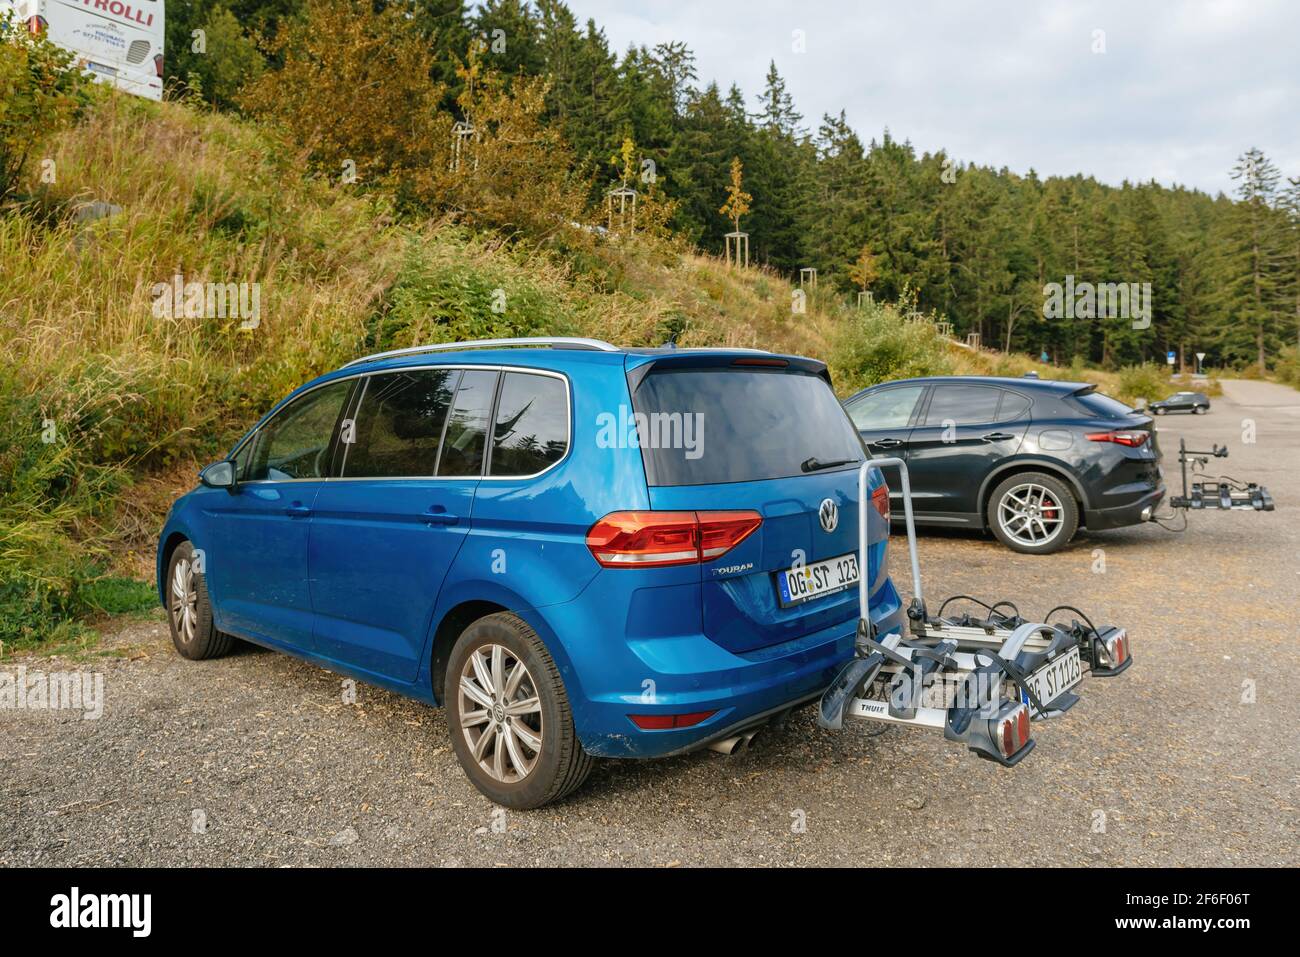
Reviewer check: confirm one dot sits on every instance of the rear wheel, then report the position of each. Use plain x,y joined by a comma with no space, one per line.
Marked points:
1034,513
509,717
189,611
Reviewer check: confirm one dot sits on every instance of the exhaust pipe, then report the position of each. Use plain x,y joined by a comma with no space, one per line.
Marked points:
734,745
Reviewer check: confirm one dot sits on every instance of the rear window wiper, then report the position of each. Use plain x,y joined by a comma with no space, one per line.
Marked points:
814,464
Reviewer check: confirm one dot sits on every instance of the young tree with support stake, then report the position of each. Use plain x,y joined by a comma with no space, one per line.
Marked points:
737,205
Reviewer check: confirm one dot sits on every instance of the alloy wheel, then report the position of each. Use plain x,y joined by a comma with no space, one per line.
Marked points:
184,600
500,713
1030,514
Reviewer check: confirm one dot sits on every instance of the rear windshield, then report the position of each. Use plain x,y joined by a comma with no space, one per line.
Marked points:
710,426
1102,406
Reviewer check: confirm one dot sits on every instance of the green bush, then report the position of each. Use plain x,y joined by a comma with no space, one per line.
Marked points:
1147,381
875,344
1287,368
40,93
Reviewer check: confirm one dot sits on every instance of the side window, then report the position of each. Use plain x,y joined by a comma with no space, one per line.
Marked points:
467,425
886,409
963,405
295,444
1013,408
532,427
397,429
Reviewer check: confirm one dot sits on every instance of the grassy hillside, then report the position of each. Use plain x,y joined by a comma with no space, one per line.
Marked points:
106,409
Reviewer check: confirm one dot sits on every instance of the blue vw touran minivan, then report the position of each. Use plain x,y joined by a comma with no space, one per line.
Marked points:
579,550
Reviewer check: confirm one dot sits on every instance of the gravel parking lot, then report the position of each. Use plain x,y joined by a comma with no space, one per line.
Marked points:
1188,759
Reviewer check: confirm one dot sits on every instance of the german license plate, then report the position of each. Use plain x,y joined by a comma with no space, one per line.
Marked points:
804,582
1055,678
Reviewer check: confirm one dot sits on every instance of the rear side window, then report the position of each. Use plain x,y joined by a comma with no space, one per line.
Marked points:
709,426
1013,408
963,405
465,437
295,443
886,409
398,427
531,431
1102,406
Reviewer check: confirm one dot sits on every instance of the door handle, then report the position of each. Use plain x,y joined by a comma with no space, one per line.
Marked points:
997,437
297,510
886,443
438,515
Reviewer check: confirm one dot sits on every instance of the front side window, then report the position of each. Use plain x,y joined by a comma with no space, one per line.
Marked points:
398,427
532,427
295,444
886,409
467,426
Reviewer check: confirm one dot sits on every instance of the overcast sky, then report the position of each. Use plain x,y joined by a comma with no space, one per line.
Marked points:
1180,91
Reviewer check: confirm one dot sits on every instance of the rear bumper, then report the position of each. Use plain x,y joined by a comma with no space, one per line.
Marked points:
1121,515
691,674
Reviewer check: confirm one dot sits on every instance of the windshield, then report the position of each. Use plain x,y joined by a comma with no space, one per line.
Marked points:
709,426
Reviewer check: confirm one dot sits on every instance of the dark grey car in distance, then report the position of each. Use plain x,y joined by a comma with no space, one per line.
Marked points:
1196,402
1030,460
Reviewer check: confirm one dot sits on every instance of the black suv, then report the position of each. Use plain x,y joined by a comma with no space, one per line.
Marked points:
1029,459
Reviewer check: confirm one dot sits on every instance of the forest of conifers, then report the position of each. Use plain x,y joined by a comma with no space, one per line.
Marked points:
975,245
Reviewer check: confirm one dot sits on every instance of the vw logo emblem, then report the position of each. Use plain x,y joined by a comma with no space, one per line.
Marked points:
829,514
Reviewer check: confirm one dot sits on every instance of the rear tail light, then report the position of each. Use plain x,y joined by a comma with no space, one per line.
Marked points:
654,539
663,722
1013,731
880,501
1131,439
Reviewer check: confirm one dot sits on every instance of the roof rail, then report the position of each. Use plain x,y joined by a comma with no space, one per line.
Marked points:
544,342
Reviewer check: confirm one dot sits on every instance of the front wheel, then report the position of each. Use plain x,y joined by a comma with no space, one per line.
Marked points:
1034,513
1201,409
509,717
189,610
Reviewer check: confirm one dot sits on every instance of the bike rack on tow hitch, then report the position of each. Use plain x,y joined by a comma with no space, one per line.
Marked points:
982,680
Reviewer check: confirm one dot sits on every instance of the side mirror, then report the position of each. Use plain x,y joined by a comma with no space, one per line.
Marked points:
219,475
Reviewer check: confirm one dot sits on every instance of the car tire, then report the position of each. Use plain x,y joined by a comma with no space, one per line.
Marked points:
509,768
189,609
1033,513
1158,411
1201,409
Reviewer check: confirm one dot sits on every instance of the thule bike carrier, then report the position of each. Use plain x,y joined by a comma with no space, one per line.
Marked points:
981,678
1223,492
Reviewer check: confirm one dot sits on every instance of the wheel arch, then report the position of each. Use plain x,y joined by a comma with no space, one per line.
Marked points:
469,602
165,551
1019,466
453,623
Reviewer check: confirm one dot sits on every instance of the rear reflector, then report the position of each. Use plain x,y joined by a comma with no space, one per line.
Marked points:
1013,733
880,501
655,539
1131,439
662,722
